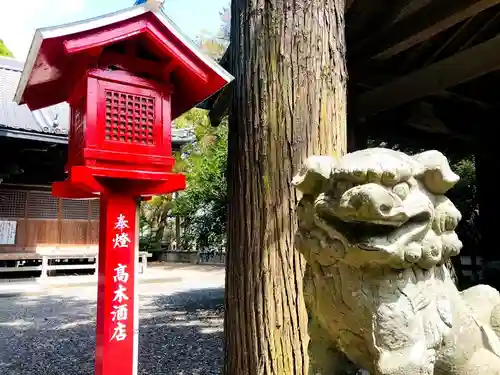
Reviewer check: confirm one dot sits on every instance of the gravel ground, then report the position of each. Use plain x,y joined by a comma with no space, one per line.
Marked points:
180,332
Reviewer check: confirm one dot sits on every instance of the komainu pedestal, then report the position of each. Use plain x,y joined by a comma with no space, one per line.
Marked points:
376,230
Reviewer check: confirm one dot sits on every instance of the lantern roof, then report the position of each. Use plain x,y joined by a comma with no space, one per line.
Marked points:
61,55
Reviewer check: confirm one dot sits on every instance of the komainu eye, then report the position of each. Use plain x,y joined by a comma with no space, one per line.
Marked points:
401,190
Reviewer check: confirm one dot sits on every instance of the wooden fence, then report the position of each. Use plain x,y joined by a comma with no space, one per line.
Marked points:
45,223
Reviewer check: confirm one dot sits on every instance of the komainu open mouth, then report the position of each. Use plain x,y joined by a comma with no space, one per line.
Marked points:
371,235
413,230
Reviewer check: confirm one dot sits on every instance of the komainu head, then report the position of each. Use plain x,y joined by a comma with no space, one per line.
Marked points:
377,207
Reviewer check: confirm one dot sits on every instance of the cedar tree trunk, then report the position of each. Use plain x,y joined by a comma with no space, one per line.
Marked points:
289,102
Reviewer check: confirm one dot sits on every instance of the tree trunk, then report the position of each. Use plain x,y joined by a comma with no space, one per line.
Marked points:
289,102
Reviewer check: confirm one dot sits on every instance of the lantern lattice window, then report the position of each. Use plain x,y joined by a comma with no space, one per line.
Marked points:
129,118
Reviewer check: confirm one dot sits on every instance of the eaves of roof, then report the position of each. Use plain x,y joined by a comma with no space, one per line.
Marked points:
49,124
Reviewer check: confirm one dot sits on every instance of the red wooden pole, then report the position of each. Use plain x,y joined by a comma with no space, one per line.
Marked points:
117,302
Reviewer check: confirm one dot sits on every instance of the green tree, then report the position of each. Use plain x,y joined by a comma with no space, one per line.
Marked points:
155,224
203,204
4,51
212,46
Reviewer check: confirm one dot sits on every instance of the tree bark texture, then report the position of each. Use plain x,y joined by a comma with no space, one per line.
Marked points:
289,102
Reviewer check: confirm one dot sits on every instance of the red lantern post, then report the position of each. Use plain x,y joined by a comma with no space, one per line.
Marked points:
117,313
125,75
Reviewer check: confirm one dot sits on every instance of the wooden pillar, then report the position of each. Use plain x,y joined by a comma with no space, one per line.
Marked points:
487,169
351,137
487,165
357,137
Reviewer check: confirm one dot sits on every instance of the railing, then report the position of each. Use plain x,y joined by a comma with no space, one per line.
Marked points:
45,267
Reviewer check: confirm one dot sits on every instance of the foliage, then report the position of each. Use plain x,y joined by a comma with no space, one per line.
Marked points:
212,47
4,51
464,194
203,205
155,227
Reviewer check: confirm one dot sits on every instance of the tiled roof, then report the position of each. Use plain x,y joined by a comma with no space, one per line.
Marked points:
53,120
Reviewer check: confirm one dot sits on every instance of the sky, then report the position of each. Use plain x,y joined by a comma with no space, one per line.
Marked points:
20,18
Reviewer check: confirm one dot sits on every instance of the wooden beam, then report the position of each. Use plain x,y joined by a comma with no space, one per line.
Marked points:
435,55
438,16
484,27
413,7
221,106
136,64
392,14
464,99
374,17
459,68
368,83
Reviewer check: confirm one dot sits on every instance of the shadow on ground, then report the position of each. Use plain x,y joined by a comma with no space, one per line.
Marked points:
180,334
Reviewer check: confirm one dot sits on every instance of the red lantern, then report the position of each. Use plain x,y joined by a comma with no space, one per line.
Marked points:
126,76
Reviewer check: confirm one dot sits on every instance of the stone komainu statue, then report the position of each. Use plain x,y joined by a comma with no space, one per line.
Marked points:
376,231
